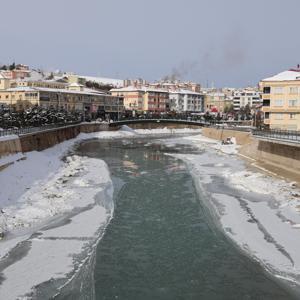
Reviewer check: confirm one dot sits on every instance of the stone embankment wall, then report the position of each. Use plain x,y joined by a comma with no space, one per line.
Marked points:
10,145
282,157
45,139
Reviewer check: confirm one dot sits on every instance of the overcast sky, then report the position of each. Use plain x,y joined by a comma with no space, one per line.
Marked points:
228,42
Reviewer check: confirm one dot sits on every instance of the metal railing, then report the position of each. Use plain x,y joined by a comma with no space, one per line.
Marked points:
27,130
277,134
234,127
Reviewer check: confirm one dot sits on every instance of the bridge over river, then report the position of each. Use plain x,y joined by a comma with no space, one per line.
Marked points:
159,122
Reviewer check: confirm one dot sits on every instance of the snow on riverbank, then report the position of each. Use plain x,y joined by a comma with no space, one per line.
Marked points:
258,212
77,187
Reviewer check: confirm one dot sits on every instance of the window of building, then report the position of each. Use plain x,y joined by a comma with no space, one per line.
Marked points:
277,90
267,115
293,102
267,90
278,117
278,102
293,90
293,116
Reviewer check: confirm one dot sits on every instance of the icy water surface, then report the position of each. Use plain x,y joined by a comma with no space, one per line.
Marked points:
162,242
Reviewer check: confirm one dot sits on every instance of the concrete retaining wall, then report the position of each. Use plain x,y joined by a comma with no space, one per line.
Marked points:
278,155
45,139
271,154
222,134
11,145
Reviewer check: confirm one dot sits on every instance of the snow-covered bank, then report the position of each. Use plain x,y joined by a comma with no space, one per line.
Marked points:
258,212
51,253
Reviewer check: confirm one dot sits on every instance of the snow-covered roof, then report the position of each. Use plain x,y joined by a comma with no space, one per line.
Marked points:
75,84
20,89
2,76
36,75
103,80
186,92
62,91
216,94
139,89
284,76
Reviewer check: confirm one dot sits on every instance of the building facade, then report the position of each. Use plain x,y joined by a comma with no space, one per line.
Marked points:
143,99
246,97
83,100
281,100
216,102
186,101
4,82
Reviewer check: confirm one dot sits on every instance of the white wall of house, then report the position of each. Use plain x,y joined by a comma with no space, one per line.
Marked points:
242,98
186,101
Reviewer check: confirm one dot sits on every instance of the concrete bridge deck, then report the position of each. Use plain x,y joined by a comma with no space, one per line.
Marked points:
158,121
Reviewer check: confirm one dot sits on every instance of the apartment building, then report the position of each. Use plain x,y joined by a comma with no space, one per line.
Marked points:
71,99
186,101
216,101
246,97
4,82
143,99
281,100
20,71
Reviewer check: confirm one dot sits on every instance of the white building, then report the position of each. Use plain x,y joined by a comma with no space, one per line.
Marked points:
244,97
186,101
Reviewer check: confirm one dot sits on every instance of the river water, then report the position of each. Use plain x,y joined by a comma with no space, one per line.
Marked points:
163,241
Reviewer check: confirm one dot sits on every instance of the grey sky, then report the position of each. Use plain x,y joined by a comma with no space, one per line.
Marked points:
228,42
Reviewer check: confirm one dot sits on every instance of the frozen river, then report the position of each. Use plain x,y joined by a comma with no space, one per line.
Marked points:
163,242
134,216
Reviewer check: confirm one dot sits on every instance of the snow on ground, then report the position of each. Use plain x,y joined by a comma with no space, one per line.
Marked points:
55,196
51,254
9,137
259,212
8,159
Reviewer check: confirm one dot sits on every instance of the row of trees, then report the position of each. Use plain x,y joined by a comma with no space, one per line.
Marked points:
244,112
36,116
98,86
8,67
